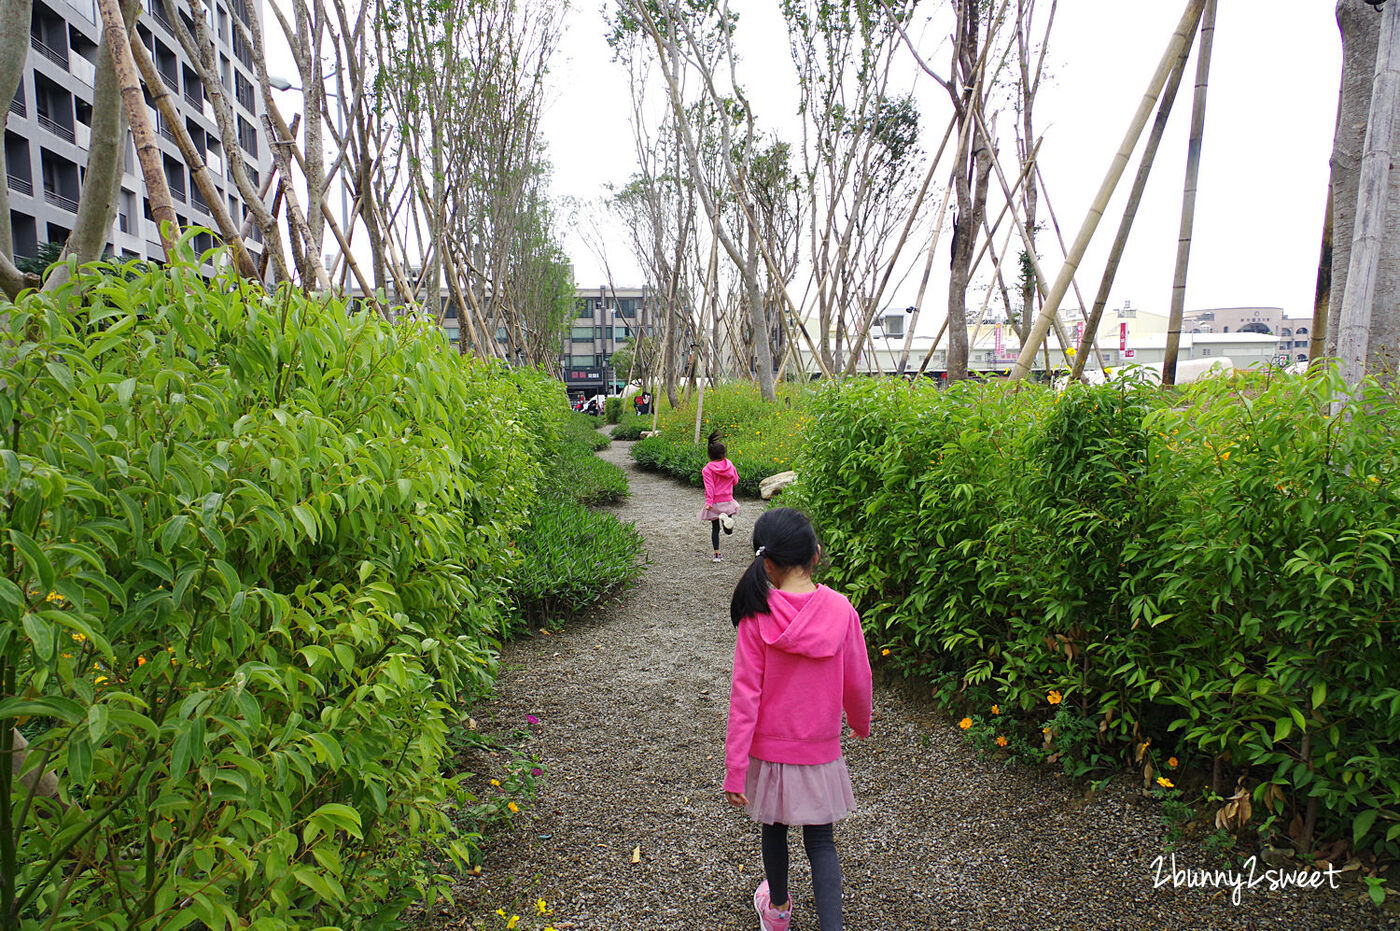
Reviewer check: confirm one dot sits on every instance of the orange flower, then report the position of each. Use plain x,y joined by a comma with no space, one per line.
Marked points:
1054,697
1172,762
996,709
1164,782
140,660
1001,741
965,723
885,651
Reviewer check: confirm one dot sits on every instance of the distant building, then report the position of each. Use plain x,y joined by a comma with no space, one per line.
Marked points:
1233,320
604,319
1294,339
48,128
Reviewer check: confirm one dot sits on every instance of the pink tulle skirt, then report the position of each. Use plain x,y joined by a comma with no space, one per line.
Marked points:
713,511
790,793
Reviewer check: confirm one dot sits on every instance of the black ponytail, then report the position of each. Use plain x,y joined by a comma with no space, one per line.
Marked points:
716,446
785,536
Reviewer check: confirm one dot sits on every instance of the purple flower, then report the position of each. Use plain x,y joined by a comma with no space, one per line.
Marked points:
532,719
536,772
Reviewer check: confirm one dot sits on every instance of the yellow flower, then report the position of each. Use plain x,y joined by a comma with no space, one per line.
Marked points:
1001,741
541,908
100,679
512,921
996,709
1045,730
1054,697
885,652
1225,455
79,638
1172,763
496,783
514,808
54,596
1164,782
1373,479
965,723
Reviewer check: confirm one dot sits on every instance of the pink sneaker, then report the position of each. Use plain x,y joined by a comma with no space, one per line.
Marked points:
769,918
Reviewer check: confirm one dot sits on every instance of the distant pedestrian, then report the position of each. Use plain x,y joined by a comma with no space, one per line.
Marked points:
638,404
799,662
720,477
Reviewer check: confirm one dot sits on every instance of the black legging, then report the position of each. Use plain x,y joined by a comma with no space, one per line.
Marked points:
820,841
714,533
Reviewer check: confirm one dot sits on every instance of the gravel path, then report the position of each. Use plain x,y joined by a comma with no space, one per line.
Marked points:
631,707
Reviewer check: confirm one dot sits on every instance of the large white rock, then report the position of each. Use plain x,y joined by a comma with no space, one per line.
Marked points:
773,484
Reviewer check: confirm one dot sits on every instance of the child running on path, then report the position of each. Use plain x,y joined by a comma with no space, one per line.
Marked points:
800,660
720,477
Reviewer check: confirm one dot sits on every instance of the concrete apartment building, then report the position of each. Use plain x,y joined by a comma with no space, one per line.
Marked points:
605,318
47,129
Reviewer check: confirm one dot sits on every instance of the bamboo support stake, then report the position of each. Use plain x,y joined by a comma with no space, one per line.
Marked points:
1185,29
1188,196
1363,269
1125,227
147,153
199,172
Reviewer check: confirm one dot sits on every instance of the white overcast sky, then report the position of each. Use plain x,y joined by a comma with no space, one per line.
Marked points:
1270,118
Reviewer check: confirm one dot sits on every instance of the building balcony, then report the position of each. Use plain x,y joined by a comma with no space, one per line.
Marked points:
84,70
58,200
197,200
178,194
20,185
170,81
17,107
57,57
58,129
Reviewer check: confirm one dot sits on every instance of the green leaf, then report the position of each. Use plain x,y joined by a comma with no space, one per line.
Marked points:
307,521
41,634
1282,728
1361,824
35,559
66,710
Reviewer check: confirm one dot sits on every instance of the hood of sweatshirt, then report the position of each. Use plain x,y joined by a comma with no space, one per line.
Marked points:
722,469
804,623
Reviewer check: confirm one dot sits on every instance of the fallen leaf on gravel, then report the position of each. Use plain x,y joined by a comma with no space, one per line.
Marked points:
637,854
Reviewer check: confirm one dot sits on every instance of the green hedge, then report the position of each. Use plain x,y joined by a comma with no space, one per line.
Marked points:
1208,574
572,558
762,437
256,546
631,428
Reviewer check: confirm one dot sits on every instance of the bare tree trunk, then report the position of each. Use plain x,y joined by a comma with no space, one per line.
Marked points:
199,172
1374,218
1360,28
15,16
1188,197
152,169
1317,345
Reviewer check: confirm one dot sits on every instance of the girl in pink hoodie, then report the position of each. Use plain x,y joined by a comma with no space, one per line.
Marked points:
800,661
720,477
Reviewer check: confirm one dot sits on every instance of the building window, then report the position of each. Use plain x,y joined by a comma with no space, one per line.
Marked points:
1205,352
247,137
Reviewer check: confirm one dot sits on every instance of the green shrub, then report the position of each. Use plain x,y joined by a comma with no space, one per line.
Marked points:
572,558
762,437
631,428
256,545
573,472
612,409
1203,573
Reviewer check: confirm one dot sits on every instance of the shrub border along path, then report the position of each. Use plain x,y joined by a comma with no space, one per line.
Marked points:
631,710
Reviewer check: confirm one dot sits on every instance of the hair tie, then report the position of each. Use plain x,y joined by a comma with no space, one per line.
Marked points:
759,552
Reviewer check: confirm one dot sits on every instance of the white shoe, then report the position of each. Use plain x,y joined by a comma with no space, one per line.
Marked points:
726,521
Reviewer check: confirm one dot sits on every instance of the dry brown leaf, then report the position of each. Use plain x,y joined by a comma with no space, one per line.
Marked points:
637,854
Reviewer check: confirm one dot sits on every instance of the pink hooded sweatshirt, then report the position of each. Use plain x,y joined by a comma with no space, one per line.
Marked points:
720,478
796,669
